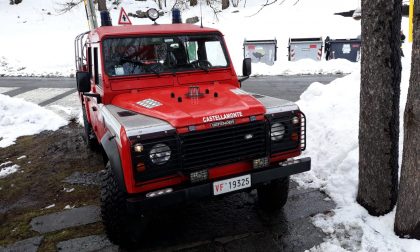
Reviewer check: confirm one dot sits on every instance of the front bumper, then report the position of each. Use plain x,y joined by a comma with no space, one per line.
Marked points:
195,192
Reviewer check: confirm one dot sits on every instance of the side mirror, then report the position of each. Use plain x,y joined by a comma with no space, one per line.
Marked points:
83,81
246,67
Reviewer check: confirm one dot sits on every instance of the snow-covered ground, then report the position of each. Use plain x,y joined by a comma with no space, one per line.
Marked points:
332,142
7,168
20,118
39,42
42,44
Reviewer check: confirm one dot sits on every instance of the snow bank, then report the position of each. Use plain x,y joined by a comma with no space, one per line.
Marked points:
20,118
332,114
305,66
332,142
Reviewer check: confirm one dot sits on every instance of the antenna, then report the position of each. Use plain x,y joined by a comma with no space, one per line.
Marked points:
201,15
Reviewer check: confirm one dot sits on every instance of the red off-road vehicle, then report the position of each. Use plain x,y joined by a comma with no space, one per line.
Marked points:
164,105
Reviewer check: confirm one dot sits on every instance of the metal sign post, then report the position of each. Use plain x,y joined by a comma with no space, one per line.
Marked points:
90,14
410,21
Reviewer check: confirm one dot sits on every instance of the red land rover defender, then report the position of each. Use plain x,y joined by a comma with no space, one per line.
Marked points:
163,103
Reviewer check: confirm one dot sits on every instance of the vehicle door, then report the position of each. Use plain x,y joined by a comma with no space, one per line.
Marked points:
93,104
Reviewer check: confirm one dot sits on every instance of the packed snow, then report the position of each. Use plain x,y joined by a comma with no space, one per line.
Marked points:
68,190
67,207
49,206
21,118
8,168
332,113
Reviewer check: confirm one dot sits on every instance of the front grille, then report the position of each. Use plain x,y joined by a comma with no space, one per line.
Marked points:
224,145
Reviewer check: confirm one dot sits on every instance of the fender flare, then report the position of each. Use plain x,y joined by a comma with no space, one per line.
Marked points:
111,150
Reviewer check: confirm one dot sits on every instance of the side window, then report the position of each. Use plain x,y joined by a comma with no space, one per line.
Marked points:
89,58
99,67
215,53
96,67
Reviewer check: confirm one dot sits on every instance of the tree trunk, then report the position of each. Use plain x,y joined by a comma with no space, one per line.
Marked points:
407,219
193,2
225,4
379,105
102,5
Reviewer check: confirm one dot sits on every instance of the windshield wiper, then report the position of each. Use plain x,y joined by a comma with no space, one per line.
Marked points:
154,68
204,68
202,64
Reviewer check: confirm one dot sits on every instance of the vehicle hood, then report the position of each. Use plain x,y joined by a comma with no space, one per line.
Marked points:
222,102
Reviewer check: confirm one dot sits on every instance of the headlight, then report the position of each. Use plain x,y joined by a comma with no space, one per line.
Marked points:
138,148
277,131
160,154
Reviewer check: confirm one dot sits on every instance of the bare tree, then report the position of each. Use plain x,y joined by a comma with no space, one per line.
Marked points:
225,4
70,4
235,3
102,5
379,105
407,218
181,4
215,6
12,2
267,3
67,6
193,2
159,2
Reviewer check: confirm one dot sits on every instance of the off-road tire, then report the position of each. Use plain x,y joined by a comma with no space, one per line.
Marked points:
122,228
273,196
89,135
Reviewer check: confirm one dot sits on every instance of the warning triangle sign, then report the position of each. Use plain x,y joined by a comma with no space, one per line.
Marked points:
123,19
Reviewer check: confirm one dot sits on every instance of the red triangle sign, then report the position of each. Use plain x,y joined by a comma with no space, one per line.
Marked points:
123,19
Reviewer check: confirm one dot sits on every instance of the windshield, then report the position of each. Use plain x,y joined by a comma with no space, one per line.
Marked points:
155,55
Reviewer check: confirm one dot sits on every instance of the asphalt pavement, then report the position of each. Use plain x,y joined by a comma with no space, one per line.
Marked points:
286,87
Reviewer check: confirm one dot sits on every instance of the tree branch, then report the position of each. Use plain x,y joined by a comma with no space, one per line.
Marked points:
67,6
264,5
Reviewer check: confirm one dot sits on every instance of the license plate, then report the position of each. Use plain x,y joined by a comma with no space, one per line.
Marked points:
230,185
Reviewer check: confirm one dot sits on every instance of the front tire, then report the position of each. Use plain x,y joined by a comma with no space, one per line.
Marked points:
273,196
122,228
